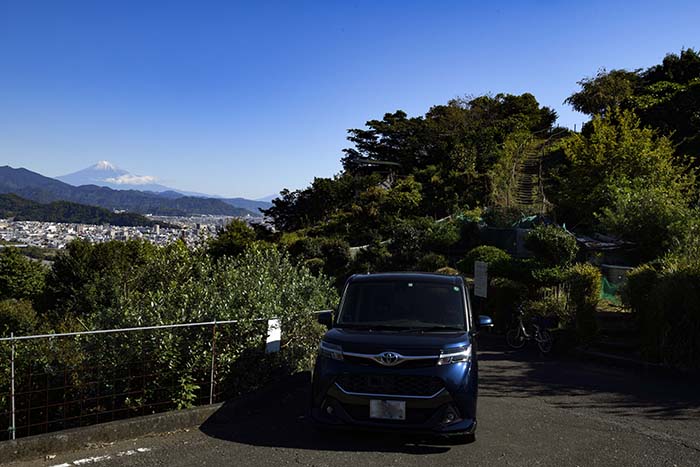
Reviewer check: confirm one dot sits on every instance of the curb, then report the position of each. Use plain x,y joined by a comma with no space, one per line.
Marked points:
33,447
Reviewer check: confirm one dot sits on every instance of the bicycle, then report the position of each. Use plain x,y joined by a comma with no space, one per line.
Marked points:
534,329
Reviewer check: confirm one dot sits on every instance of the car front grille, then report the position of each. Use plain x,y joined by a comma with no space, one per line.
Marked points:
421,363
391,385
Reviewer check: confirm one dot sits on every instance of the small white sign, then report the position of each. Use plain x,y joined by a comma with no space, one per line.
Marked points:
274,336
481,278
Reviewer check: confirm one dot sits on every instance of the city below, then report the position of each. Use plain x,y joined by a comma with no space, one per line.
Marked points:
192,229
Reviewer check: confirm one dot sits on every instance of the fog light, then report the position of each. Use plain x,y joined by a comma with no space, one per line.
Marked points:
329,410
451,415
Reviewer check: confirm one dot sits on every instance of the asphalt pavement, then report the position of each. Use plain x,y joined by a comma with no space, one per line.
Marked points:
533,410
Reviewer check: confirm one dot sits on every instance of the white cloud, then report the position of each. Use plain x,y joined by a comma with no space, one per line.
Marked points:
129,179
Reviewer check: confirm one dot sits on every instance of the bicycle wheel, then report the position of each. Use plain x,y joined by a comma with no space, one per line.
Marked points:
515,338
545,341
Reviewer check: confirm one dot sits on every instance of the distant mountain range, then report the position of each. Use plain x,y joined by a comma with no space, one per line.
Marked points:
36,187
106,174
22,209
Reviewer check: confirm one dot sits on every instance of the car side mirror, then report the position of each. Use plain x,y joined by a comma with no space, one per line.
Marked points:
325,317
485,321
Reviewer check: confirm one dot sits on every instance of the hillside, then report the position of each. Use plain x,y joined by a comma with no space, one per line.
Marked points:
63,211
36,187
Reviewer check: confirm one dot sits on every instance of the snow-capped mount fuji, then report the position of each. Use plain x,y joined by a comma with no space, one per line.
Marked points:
104,173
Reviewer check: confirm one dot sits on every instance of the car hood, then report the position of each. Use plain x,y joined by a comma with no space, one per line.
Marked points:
413,343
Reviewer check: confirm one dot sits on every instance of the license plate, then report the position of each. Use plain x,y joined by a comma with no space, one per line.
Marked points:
387,410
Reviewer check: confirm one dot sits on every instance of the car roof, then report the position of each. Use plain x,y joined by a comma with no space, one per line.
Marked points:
407,276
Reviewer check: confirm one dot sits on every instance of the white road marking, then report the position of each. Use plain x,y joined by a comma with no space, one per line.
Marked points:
91,460
95,459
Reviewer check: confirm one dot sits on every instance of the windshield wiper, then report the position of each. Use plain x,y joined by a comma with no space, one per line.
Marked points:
432,329
369,327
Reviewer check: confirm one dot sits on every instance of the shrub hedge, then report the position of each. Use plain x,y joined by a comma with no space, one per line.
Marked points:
583,284
552,245
666,300
164,285
495,257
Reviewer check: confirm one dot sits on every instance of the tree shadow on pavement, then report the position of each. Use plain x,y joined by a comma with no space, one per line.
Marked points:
574,383
277,417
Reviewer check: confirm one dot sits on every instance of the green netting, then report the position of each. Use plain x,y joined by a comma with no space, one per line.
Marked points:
610,292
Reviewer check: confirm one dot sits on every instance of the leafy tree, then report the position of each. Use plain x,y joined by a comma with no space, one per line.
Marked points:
606,90
644,215
18,317
404,197
86,278
618,153
20,277
336,256
665,96
232,240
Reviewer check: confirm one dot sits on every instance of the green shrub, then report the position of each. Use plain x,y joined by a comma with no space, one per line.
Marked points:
125,284
637,292
666,300
552,306
432,262
503,297
516,269
675,316
552,245
495,257
548,276
583,284
441,237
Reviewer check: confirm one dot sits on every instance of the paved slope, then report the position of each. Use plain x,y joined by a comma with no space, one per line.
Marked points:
532,411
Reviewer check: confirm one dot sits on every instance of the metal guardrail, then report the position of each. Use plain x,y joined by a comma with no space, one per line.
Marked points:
104,394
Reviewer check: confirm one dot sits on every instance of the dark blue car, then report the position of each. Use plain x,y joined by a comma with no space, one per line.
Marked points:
401,355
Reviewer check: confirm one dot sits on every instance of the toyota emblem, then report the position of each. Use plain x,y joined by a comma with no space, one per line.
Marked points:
389,358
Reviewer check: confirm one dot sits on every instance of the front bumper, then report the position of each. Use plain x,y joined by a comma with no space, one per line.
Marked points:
333,405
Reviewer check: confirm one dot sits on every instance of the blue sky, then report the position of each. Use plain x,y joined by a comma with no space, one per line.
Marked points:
244,99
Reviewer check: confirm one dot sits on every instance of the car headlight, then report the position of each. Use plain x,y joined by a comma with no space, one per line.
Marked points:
332,351
459,354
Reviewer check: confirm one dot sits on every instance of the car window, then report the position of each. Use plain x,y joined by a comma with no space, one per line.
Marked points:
404,304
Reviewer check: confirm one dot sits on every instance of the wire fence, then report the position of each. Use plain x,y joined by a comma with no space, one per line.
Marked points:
60,381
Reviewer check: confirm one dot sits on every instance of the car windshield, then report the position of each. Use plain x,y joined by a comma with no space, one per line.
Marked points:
403,304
